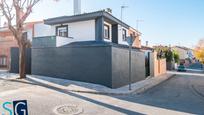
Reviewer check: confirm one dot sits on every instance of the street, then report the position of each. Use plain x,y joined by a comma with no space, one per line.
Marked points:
182,94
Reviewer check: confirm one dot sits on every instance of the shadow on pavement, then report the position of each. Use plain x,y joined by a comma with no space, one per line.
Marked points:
167,95
119,109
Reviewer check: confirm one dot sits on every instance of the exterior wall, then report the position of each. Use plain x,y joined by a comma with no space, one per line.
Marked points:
61,41
14,65
183,54
7,40
137,42
120,66
103,64
77,31
48,41
87,64
157,66
153,64
30,34
80,31
162,66
42,30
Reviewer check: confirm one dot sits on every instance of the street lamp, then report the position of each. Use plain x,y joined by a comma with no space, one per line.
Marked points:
130,41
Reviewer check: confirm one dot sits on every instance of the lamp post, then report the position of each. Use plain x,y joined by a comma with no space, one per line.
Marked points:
130,42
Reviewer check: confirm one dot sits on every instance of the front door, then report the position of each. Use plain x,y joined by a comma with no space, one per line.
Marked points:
147,63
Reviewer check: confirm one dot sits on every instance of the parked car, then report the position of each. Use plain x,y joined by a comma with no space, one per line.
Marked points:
181,68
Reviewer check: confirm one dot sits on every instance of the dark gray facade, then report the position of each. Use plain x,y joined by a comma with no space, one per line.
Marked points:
120,66
14,65
47,41
103,64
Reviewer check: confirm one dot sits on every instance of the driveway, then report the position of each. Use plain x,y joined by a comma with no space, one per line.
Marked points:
182,94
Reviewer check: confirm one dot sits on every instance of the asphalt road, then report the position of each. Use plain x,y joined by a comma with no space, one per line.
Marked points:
182,94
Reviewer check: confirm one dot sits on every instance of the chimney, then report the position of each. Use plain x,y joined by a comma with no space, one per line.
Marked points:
77,7
147,43
109,10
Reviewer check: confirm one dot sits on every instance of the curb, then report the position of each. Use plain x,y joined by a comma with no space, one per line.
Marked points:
136,91
149,86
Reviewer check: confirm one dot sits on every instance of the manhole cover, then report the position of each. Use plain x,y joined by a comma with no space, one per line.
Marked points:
68,110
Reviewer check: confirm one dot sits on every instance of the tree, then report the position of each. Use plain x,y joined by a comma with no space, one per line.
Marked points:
18,10
169,55
199,51
176,56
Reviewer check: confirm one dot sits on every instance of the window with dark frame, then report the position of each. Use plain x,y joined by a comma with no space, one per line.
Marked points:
124,34
106,31
62,31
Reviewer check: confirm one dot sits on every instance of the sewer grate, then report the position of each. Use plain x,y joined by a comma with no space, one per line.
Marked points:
68,110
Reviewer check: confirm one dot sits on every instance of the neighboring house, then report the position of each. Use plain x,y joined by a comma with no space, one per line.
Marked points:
7,41
95,26
184,52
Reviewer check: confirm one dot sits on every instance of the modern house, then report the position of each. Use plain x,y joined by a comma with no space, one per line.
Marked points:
7,41
95,26
90,47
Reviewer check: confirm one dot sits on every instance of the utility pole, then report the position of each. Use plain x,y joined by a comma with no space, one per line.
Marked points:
122,8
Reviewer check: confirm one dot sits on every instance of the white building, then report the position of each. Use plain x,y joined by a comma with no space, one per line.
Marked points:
95,26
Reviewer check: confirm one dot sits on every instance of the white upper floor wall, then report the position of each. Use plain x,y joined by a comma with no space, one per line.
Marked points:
78,31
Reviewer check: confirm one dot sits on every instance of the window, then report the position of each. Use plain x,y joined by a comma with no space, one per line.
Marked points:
62,31
124,34
3,60
106,32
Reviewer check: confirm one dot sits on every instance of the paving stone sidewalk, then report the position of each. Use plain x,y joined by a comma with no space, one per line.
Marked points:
76,86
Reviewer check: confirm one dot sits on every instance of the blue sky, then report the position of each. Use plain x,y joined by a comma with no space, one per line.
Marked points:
175,22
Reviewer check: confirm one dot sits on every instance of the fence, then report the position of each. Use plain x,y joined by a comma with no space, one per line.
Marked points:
14,64
157,66
100,64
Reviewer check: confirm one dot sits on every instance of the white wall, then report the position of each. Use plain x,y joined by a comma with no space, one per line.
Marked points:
42,30
80,31
29,34
77,31
61,41
120,35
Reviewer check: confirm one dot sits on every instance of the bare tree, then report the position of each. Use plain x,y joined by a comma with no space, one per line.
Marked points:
17,11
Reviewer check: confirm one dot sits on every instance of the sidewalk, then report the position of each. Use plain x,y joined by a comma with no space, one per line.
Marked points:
82,87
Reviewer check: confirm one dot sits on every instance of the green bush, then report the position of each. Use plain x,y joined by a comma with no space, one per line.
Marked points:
176,57
169,55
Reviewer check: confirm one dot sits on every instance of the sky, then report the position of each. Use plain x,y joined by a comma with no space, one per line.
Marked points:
167,22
